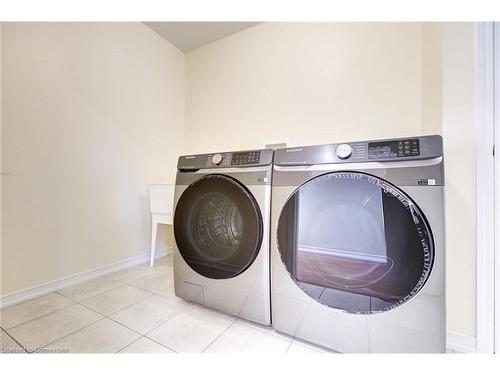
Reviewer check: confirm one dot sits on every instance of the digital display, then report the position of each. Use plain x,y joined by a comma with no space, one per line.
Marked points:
242,158
394,149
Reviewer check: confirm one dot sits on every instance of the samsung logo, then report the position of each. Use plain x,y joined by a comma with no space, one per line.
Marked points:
299,149
190,157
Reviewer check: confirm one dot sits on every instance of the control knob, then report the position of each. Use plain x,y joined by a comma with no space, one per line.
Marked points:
343,151
217,159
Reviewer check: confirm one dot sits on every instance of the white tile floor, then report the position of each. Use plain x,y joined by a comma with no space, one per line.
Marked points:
132,311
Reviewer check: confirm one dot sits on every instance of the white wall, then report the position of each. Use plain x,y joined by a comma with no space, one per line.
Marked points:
432,78
460,174
308,83
92,113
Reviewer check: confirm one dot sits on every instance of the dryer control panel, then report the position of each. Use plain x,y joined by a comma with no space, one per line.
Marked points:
236,159
398,149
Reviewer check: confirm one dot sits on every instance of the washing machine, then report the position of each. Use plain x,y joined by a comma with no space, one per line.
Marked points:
357,245
222,205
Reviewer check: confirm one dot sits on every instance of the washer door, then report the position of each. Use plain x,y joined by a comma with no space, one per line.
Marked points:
218,227
355,242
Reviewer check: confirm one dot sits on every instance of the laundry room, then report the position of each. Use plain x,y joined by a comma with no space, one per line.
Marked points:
290,186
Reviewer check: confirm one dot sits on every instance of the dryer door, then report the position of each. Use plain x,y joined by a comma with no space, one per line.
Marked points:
355,242
218,227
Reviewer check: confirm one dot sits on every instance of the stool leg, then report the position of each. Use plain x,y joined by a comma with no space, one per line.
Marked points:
154,230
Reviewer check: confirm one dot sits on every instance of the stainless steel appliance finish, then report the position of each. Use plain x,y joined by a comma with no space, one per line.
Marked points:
357,245
222,212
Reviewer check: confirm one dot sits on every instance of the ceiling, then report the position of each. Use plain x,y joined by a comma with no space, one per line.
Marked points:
190,35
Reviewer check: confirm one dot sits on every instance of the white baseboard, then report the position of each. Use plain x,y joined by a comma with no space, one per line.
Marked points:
52,286
461,343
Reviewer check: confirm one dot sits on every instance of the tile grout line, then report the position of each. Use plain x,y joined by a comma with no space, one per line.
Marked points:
156,293
107,316
13,339
88,325
214,340
97,321
148,332
182,311
140,333
95,295
159,343
81,328
71,333
138,287
155,273
41,316
117,311
158,326
135,303
126,346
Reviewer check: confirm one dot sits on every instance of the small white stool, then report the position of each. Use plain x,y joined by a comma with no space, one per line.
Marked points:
161,201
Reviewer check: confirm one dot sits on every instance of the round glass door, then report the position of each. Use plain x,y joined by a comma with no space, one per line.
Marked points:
355,242
218,227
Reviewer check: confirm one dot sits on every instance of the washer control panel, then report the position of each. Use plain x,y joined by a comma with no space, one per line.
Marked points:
245,158
250,158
